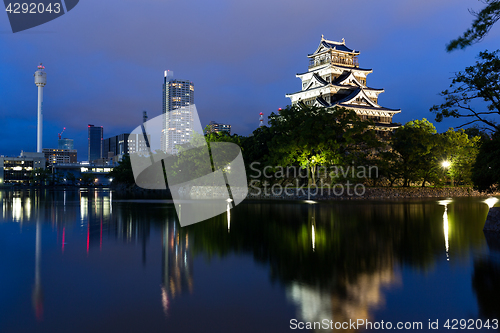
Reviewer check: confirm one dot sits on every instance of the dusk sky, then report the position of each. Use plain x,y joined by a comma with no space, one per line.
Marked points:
105,60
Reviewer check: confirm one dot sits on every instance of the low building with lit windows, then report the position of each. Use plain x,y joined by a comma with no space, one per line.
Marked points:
18,170
214,127
58,156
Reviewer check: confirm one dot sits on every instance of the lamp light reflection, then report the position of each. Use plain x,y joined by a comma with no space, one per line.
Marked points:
228,217
313,238
491,202
446,228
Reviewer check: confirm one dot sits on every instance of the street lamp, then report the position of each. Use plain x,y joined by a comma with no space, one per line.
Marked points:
446,165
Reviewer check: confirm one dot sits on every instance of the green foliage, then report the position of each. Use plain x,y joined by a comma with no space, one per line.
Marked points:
310,136
415,146
87,179
195,158
476,131
256,149
40,176
478,82
486,170
461,151
122,173
485,19
418,152
70,176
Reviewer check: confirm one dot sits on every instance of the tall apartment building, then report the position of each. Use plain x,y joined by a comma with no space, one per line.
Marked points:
125,143
95,143
178,101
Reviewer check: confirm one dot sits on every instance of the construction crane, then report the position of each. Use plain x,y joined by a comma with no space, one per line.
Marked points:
60,134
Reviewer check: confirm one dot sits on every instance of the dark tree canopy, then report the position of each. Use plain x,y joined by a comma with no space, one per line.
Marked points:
479,82
486,173
481,25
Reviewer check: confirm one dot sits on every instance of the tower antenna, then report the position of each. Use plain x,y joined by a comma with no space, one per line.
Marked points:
40,81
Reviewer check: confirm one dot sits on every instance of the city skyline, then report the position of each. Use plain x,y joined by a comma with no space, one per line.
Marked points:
108,73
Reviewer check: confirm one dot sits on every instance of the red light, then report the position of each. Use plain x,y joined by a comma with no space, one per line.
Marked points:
279,109
261,113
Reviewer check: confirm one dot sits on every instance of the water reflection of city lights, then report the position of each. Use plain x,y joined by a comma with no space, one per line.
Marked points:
311,202
164,300
491,201
106,210
84,202
27,208
17,209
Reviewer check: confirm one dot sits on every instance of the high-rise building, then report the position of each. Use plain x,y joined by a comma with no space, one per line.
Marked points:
95,142
218,128
65,144
334,79
122,144
178,97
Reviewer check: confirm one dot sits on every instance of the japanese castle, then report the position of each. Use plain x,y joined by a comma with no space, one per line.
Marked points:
335,79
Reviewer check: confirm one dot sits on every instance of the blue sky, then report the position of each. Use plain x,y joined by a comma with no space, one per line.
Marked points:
105,60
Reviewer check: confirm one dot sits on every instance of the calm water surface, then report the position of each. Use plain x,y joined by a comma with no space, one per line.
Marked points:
89,261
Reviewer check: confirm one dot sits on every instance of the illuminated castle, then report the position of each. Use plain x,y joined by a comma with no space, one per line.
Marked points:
335,79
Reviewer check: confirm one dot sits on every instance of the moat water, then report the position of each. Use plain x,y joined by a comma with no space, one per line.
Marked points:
91,261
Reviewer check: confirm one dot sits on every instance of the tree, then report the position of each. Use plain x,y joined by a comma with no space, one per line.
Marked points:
461,151
87,178
416,145
255,149
486,169
476,131
484,21
70,176
122,173
40,175
312,136
478,82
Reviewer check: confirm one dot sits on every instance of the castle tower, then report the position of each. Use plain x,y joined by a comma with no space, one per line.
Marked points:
334,78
